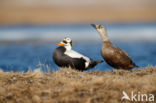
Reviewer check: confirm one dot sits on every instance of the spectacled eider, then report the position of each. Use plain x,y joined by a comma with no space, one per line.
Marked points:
114,56
64,56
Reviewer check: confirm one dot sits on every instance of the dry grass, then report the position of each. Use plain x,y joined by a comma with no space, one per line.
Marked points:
70,86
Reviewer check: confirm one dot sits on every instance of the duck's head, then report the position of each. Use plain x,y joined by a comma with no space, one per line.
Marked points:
67,43
99,28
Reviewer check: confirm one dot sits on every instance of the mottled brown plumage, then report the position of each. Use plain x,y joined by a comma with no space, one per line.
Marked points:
114,56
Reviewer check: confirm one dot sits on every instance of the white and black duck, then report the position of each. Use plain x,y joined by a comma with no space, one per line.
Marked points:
64,56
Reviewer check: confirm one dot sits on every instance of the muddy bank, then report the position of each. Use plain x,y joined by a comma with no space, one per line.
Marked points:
70,86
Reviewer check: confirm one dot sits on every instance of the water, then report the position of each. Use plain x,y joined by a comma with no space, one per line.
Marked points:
17,57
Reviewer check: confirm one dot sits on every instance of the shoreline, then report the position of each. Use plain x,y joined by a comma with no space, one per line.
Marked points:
71,86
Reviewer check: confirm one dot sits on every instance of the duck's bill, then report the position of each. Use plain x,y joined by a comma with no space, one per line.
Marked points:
60,43
93,25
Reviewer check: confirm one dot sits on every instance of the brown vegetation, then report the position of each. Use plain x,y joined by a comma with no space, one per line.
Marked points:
70,86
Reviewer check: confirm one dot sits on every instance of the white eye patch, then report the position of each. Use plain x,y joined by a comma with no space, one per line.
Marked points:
68,39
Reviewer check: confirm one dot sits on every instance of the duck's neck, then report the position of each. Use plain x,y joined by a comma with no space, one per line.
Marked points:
103,35
68,47
106,43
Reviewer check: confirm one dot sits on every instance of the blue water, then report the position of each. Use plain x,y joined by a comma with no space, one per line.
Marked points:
21,57
138,40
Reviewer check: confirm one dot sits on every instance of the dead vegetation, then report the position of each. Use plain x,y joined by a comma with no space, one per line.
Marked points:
70,86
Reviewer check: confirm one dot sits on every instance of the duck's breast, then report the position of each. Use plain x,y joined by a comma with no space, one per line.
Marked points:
64,60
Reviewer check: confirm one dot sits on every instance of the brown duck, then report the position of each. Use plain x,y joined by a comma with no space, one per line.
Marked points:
114,56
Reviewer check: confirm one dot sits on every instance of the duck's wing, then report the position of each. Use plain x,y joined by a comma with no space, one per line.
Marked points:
74,54
124,57
118,58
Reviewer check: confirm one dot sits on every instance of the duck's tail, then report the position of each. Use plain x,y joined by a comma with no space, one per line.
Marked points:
94,63
99,61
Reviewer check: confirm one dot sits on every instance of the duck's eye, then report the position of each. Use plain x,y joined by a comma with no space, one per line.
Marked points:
68,40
